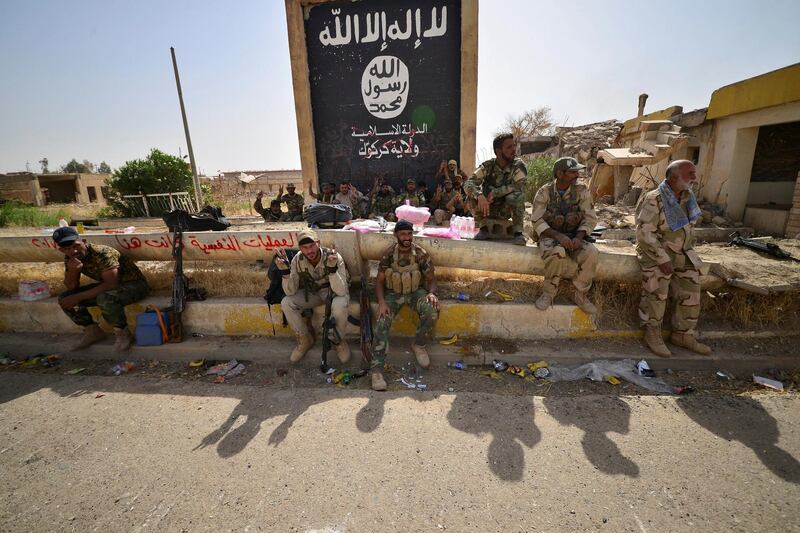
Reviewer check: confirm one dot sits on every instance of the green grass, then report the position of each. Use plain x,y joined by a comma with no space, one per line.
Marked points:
18,214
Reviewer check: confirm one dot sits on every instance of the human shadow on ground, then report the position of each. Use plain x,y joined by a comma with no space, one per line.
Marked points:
597,416
510,422
232,441
745,420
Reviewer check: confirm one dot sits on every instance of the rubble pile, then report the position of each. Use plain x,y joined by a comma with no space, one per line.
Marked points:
583,142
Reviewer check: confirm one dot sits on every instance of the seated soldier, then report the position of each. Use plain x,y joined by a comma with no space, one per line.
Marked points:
410,194
308,281
294,202
563,216
328,194
496,189
382,196
405,277
352,197
447,202
274,213
120,283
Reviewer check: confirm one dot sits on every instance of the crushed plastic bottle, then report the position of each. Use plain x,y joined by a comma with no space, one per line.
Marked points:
461,297
457,365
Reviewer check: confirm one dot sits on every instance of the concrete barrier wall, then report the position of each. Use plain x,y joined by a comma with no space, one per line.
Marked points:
250,316
615,263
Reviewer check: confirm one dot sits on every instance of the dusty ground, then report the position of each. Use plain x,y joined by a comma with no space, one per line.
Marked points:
268,453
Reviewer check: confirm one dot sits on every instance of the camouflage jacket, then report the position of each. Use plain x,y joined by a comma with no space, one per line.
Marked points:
656,243
490,178
100,258
294,203
567,214
415,199
383,203
303,276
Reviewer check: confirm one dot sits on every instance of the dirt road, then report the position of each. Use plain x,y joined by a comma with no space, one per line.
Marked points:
143,453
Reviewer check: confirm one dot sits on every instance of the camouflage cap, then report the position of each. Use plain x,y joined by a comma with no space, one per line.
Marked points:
307,234
567,163
452,163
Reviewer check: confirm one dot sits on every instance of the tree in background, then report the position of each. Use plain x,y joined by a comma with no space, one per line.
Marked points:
529,123
157,173
73,167
540,171
103,168
44,162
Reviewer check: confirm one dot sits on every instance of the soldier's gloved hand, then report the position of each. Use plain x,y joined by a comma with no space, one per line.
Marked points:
332,261
282,262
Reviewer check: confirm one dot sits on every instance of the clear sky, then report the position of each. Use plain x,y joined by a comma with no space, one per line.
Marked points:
93,79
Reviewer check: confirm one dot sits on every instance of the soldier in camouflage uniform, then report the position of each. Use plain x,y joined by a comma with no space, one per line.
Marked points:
308,281
414,198
274,213
293,201
382,201
447,202
665,219
120,282
563,216
497,189
405,277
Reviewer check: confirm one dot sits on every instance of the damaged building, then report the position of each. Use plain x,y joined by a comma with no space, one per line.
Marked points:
58,188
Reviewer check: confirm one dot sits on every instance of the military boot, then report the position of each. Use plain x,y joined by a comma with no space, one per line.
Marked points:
378,383
482,235
343,351
519,239
421,355
544,301
123,341
304,344
582,301
91,335
690,342
655,341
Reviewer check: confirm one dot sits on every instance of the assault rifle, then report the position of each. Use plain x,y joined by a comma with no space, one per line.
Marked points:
179,286
366,322
329,334
765,247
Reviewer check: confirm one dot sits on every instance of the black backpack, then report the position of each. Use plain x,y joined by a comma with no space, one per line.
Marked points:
209,219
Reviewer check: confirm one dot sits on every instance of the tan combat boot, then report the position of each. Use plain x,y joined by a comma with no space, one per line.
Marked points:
654,341
378,383
582,301
91,335
544,302
124,340
343,351
304,344
690,342
422,355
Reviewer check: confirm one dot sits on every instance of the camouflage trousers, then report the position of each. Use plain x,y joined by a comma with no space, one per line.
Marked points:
294,305
684,287
111,303
418,301
509,207
579,265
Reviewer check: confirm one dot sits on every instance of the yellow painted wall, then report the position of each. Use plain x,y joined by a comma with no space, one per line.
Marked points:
774,88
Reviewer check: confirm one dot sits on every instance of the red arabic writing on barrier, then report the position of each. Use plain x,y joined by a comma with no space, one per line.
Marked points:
228,243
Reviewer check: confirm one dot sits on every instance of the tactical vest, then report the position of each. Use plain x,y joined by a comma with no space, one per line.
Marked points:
307,282
403,279
564,213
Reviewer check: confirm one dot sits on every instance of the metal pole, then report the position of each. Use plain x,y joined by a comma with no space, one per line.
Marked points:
195,179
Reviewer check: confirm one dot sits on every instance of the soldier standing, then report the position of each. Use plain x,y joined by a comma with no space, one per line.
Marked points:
563,216
405,277
665,219
307,282
496,189
293,201
119,283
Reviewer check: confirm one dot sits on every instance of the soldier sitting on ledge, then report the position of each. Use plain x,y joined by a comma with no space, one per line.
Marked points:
120,282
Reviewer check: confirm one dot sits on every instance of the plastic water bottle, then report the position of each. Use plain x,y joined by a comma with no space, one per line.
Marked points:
62,223
469,227
458,365
461,297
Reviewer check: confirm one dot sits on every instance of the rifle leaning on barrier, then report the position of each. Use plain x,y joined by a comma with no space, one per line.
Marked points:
765,247
366,322
328,331
178,287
